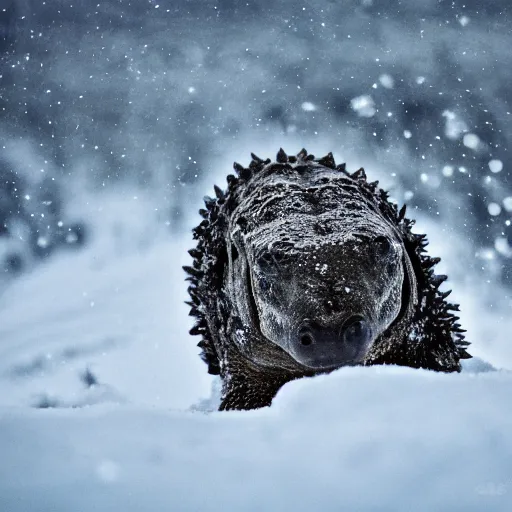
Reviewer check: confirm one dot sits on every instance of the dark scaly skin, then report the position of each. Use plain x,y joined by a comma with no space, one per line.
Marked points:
302,239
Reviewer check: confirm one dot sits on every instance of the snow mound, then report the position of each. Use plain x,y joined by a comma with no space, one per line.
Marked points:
359,439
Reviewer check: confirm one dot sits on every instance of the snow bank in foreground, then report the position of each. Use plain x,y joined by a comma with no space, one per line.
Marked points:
359,439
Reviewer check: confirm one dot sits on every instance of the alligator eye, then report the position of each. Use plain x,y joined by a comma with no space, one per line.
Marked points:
383,247
264,284
265,260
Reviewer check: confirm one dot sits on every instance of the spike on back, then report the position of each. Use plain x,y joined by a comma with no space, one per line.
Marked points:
195,253
401,214
282,157
302,154
232,180
328,161
218,192
244,173
239,168
209,202
360,174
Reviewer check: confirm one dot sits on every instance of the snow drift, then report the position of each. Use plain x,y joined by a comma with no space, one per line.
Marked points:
359,439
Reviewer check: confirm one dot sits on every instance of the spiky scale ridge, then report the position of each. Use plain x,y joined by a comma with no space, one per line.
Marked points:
437,280
238,167
209,202
360,175
302,154
282,157
231,180
328,161
401,213
218,192
435,339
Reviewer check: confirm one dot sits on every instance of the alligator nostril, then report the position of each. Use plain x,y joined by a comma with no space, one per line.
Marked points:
318,345
306,339
356,330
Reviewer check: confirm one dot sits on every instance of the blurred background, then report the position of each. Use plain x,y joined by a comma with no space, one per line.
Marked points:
117,116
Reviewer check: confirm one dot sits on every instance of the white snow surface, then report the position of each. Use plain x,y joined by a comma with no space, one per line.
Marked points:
359,439
144,437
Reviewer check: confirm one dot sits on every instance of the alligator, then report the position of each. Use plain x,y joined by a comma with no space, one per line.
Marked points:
302,268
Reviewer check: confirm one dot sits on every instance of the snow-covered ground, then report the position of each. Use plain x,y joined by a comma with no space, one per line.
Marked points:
105,405
360,439
115,311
